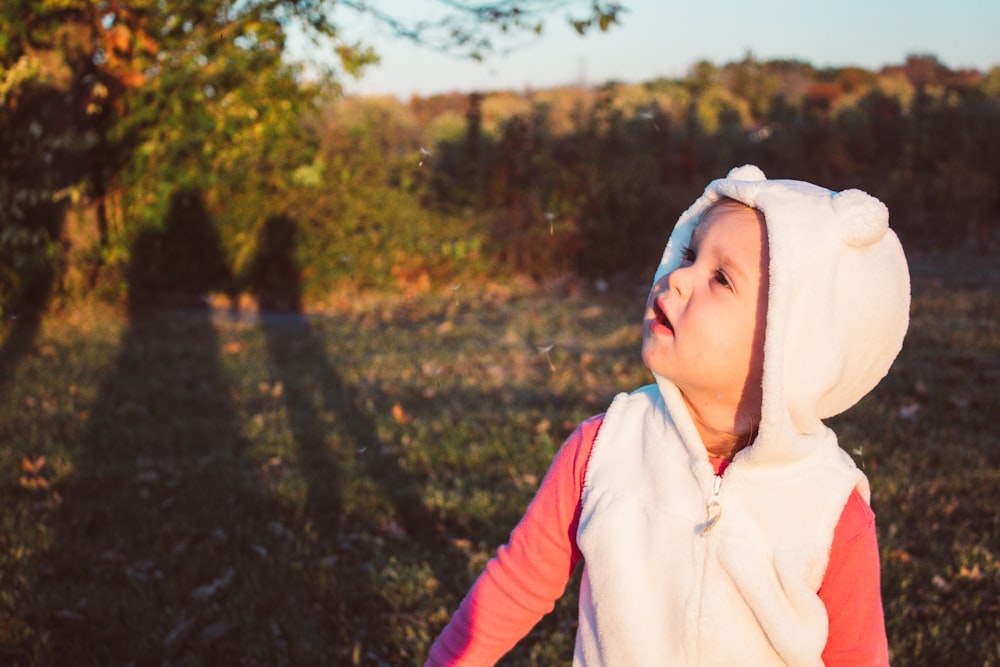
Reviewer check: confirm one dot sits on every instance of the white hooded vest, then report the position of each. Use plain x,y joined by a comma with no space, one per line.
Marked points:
661,588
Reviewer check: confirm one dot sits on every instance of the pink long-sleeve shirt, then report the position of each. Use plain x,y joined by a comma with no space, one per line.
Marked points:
529,573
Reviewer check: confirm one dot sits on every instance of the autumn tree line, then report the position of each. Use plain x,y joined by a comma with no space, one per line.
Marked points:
590,181
147,156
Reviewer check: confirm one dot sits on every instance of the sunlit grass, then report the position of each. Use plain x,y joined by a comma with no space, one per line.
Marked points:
194,487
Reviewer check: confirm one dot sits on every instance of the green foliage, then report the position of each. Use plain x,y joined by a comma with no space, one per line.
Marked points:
126,105
991,83
130,105
32,194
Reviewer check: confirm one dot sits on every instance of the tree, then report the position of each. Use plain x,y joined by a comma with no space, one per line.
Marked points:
110,107
477,29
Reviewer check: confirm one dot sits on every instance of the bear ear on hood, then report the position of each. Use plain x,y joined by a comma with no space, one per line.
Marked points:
863,219
748,172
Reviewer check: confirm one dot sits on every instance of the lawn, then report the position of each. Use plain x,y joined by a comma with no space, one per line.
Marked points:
203,487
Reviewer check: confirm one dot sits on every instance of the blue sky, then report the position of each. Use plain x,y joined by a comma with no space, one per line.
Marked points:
664,37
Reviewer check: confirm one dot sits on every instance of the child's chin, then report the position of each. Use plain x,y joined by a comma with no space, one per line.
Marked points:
650,361
646,352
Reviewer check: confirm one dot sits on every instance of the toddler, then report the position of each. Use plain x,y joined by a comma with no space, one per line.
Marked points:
716,517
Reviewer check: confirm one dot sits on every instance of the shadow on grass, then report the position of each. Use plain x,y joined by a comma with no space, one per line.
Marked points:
24,312
170,542
340,450
148,562
206,520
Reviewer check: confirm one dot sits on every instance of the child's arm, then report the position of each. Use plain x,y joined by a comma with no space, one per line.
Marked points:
851,592
529,573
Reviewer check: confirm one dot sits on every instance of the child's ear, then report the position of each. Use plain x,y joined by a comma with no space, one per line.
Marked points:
747,172
863,219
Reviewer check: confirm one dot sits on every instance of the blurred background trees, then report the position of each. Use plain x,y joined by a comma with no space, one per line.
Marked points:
108,109
112,112
591,180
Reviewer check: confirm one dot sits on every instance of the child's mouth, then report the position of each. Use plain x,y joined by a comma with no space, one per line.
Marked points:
660,316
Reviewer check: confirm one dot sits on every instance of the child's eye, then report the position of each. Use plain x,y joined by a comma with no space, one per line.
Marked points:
688,255
720,277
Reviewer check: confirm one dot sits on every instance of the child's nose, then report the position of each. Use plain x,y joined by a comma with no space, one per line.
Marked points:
679,280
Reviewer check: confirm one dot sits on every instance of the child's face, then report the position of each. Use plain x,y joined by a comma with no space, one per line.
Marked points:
704,323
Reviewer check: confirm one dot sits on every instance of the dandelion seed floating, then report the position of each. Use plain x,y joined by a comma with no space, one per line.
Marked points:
454,287
424,154
651,117
551,217
545,349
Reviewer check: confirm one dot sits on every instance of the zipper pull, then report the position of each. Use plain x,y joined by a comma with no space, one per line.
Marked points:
714,506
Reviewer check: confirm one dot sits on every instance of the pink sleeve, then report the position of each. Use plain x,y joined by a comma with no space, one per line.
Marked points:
529,573
851,592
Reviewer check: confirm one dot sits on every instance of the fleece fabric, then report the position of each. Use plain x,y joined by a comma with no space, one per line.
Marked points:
528,574
672,559
659,587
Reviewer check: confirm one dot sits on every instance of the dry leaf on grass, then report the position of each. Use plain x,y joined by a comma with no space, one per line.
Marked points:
33,483
33,467
909,410
208,591
32,478
940,584
400,415
901,555
178,637
394,530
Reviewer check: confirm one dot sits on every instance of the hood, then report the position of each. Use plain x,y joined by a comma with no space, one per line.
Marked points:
838,300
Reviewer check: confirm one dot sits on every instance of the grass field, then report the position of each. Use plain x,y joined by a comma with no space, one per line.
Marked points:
194,487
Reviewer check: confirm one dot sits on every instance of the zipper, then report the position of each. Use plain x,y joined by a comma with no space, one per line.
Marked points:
714,506
714,513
